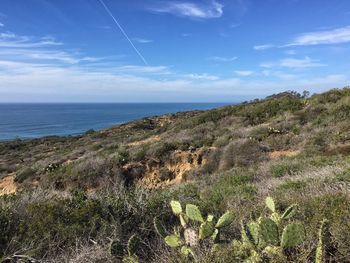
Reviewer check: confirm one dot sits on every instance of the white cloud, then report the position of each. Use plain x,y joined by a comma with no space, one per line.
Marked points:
11,40
222,59
293,63
45,73
263,47
192,10
244,73
201,77
335,36
41,82
300,63
142,69
1,24
143,40
278,74
186,34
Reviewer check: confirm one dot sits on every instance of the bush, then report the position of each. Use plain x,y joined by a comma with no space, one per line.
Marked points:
161,150
25,174
286,167
242,153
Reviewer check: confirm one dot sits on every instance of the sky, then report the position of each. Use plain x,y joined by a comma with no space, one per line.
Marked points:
170,51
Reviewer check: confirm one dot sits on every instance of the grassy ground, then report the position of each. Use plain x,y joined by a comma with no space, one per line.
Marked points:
75,195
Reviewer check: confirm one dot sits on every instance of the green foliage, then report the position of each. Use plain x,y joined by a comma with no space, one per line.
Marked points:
25,174
285,167
263,238
190,235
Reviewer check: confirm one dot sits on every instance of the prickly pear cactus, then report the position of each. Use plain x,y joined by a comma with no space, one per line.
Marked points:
206,230
323,242
176,207
293,235
193,213
289,212
225,220
268,232
173,241
270,204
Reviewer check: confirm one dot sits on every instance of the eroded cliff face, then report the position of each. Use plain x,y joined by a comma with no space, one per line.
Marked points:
173,171
155,173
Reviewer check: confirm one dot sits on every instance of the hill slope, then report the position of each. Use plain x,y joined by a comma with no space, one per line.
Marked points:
75,194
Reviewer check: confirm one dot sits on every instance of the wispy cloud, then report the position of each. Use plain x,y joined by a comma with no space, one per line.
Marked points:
222,59
1,24
263,47
335,36
300,63
244,73
143,40
11,40
201,77
192,10
294,63
143,69
278,74
186,34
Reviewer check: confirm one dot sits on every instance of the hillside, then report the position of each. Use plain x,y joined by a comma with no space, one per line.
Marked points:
65,199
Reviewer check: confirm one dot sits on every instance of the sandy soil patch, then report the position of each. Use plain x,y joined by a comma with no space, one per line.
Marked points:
151,139
286,153
8,185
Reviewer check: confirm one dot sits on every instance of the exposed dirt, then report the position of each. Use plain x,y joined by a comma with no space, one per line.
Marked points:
8,185
174,171
152,139
286,153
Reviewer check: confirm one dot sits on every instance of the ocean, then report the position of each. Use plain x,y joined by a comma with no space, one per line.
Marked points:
29,120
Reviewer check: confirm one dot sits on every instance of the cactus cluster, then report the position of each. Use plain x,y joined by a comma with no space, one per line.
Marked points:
270,237
194,228
128,254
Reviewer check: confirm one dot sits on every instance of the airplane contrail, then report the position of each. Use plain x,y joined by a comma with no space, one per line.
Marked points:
123,31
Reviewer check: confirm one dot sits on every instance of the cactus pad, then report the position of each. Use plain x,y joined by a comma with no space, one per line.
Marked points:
206,230
289,212
268,231
225,220
193,213
293,235
173,241
176,207
323,241
158,227
270,204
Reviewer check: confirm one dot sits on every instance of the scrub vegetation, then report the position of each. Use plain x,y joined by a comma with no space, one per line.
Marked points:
262,181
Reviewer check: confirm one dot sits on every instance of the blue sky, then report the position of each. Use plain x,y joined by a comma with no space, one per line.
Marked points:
170,51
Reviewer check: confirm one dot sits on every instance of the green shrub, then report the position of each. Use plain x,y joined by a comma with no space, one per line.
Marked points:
286,167
25,174
242,153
